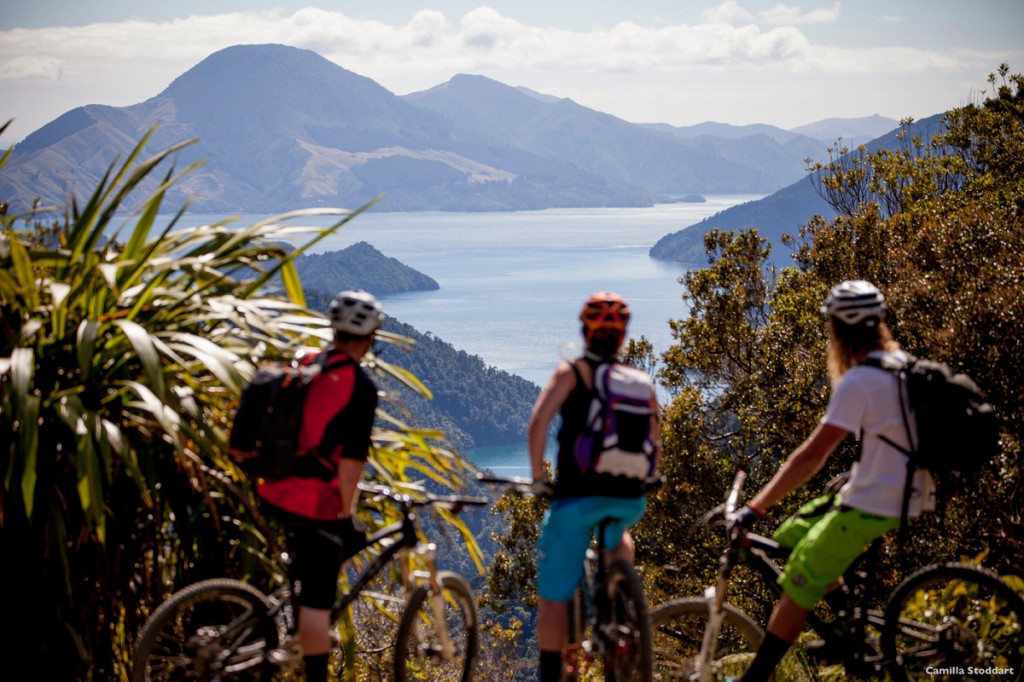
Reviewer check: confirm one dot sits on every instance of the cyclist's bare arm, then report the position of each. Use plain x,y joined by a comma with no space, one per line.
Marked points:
803,463
349,473
544,410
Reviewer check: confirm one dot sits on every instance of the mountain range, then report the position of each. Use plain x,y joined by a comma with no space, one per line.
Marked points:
282,128
782,212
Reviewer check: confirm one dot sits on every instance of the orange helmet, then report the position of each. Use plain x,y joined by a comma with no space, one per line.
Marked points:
604,310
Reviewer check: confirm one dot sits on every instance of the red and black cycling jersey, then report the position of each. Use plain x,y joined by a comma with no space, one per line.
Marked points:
340,408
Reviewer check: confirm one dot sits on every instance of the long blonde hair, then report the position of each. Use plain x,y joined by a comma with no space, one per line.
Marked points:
849,343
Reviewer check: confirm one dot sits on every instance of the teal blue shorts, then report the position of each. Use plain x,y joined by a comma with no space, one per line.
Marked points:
826,539
565,536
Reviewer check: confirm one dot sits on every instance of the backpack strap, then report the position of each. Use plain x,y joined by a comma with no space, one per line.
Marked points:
595,363
595,391
332,432
328,365
900,370
579,375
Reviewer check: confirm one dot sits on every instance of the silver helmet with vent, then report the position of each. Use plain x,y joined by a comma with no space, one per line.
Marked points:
355,312
855,301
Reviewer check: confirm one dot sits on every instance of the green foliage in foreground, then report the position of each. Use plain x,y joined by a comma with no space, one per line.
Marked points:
123,346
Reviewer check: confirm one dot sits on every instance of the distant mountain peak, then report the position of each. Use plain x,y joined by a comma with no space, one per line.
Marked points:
281,128
852,131
484,84
271,76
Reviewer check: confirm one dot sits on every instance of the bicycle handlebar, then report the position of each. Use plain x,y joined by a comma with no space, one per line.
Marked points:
506,480
524,485
733,498
728,507
452,503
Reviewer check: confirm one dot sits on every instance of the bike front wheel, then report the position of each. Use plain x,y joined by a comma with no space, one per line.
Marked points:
626,629
212,630
952,622
677,630
421,650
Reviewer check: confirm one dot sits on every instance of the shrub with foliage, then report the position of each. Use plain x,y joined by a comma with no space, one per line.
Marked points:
124,342
938,225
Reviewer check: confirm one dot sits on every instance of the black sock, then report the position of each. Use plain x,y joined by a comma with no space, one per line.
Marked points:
768,655
550,666
316,667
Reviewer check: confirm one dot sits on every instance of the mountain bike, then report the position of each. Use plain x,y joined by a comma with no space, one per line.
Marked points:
608,621
223,628
945,621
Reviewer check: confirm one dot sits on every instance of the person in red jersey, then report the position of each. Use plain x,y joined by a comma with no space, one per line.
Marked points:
320,499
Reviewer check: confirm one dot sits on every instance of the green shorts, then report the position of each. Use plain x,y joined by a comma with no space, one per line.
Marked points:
826,539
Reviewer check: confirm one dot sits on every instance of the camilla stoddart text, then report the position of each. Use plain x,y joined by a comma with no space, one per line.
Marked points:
970,671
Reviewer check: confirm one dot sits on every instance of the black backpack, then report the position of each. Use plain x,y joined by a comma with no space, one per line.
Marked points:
265,433
957,430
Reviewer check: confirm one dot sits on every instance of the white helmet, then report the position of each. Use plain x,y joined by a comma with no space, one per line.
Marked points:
855,301
355,312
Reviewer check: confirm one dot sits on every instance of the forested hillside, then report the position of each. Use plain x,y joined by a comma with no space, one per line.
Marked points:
488,406
786,210
476,405
936,223
360,266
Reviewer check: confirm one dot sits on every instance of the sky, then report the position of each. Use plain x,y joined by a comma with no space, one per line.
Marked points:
646,61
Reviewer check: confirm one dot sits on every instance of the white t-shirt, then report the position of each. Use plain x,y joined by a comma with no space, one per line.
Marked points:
868,398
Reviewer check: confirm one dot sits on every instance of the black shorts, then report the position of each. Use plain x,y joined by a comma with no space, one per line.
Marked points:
315,558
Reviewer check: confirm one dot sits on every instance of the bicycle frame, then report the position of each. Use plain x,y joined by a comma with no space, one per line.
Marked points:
397,539
403,541
715,596
250,628
405,532
757,551
595,570
596,606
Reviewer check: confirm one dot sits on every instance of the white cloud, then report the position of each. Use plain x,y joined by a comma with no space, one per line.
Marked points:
728,12
483,38
644,72
49,68
788,15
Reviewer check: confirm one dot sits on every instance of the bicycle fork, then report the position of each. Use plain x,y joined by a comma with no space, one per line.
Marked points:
714,597
427,554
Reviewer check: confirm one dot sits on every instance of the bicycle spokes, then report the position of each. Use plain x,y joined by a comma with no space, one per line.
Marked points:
953,618
437,636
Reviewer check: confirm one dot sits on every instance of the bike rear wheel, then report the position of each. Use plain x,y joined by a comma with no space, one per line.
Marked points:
419,653
677,630
574,657
214,629
627,628
953,621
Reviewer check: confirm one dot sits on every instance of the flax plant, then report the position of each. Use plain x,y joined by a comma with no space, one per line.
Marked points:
124,342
